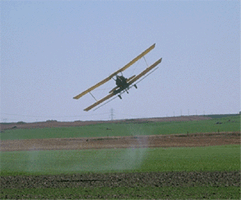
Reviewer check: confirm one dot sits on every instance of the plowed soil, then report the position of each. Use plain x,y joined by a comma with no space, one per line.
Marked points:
180,140
121,185
152,179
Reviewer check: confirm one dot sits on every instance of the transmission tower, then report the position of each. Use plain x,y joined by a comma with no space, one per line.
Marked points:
112,113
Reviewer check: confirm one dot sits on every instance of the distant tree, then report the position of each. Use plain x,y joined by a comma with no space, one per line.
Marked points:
21,122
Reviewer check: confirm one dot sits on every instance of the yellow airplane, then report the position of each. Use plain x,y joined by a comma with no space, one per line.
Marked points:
122,84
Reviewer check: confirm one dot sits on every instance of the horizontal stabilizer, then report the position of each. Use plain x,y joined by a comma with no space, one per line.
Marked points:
145,71
129,79
113,89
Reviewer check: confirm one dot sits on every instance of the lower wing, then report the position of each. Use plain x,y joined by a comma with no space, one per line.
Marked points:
99,102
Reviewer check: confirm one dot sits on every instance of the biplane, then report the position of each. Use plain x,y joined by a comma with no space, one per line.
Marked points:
123,84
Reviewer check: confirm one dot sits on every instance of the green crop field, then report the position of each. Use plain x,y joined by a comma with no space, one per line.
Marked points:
225,124
216,161
213,158
211,172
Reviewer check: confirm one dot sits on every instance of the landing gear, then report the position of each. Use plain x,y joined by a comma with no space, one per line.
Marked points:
135,86
119,96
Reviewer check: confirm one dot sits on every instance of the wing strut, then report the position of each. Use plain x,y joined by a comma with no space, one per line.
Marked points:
145,61
93,96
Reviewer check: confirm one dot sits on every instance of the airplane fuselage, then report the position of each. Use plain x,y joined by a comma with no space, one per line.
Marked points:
121,83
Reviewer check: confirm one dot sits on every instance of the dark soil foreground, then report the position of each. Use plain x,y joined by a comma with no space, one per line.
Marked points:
134,181
152,179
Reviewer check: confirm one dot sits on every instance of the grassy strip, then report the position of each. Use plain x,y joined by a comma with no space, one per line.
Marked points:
124,193
213,158
225,124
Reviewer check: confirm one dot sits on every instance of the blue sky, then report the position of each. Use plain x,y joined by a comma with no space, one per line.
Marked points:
53,50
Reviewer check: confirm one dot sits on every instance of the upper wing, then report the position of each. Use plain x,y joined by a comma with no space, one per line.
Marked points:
92,88
134,60
99,102
144,72
115,73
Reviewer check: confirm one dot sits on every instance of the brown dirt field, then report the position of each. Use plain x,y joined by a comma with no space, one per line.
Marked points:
179,140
